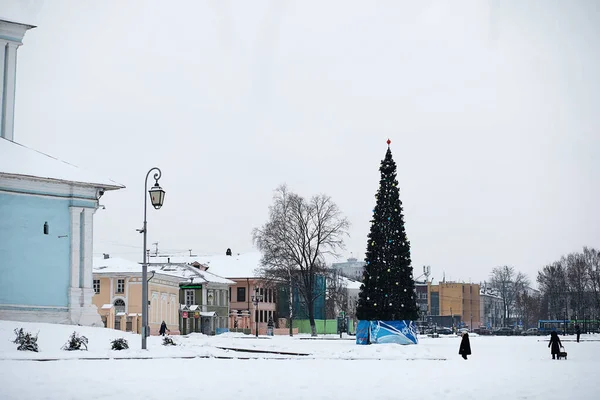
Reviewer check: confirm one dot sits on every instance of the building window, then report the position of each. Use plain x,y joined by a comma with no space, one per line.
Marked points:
96,286
190,297
120,286
119,306
241,294
230,293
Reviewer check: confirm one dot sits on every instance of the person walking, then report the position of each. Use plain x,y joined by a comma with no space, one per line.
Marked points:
465,346
163,329
555,343
577,332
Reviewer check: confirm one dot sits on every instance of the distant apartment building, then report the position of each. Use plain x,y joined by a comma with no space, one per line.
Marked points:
491,308
422,293
352,269
459,301
299,307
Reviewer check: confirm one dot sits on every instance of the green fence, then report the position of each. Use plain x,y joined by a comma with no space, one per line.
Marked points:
303,326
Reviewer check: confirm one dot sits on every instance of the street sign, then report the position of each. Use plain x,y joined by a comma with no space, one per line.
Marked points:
197,314
185,314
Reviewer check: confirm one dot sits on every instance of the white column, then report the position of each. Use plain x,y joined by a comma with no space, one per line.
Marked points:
81,309
204,298
88,244
3,44
75,235
8,101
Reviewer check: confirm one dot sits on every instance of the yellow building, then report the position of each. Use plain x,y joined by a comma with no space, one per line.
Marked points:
117,287
457,300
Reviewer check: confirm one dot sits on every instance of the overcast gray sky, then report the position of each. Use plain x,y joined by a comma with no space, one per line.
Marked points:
492,108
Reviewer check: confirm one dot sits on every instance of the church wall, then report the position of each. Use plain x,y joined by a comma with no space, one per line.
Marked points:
34,267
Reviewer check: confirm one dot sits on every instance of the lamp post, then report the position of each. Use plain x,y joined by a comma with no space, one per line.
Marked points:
255,300
157,196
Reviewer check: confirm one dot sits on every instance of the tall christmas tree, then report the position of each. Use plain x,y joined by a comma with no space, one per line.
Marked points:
387,293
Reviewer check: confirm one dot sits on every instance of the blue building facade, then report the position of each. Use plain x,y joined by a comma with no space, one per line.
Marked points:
299,305
46,220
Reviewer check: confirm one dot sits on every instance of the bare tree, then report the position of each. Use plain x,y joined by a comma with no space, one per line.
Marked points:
579,284
508,283
591,259
337,294
571,285
295,239
553,285
529,308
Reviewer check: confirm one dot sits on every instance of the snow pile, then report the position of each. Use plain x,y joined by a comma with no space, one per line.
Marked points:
229,345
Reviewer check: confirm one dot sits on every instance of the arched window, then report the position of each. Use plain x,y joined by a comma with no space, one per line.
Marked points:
119,305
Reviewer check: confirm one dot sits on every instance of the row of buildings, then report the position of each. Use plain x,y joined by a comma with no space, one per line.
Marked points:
446,303
207,294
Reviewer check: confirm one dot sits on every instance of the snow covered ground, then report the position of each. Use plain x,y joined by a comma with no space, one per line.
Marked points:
500,368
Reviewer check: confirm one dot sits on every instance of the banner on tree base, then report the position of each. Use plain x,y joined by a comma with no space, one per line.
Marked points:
399,332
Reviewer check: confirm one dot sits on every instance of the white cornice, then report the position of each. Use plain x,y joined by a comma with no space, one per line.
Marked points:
44,187
13,31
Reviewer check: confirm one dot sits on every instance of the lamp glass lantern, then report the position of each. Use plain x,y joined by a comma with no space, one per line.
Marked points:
157,196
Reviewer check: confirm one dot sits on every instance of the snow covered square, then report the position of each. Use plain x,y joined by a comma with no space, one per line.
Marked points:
332,368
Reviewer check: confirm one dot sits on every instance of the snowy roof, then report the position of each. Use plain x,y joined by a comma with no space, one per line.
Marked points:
235,266
178,270
350,284
21,160
489,293
207,313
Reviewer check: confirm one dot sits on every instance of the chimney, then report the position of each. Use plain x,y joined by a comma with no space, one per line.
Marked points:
228,252
11,36
106,256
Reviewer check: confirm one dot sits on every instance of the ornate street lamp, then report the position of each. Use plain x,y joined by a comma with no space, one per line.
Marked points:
255,300
157,196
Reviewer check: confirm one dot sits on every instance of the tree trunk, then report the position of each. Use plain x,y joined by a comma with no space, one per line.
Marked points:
311,318
291,308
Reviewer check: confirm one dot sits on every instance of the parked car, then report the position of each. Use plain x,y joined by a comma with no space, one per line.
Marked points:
504,332
444,331
483,331
531,332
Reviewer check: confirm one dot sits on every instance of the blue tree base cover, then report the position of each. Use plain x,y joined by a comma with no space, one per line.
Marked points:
399,332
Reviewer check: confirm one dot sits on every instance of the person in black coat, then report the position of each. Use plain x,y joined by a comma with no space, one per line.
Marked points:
163,329
555,343
465,346
577,332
